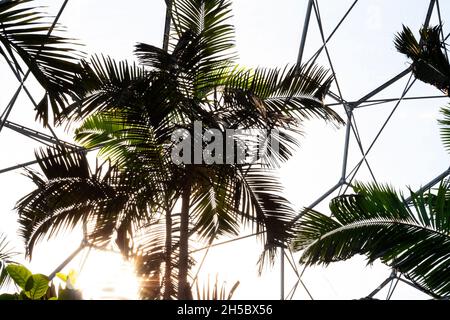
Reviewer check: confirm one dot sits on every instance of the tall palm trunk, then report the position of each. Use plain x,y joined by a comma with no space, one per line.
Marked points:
168,290
184,290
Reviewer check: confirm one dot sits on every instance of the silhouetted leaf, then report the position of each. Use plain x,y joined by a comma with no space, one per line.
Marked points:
19,274
36,286
413,238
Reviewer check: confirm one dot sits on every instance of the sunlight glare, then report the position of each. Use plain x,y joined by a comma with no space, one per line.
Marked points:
106,275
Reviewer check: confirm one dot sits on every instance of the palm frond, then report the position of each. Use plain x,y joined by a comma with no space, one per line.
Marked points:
150,258
445,127
69,194
209,20
213,207
406,43
182,62
262,207
281,94
128,93
105,84
65,204
215,292
52,59
201,46
6,257
226,197
122,139
377,222
115,205
61,163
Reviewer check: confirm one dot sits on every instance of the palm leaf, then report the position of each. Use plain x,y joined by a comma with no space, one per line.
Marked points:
262,207
377,222
116,206
284,95
215,292
149,257
121,138
430,64
52,59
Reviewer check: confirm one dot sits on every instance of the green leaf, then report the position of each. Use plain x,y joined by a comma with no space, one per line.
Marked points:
30,284
39,287
429,57
19,274
412,237
62,276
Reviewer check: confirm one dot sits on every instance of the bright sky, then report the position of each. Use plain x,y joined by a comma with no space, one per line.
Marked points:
408,153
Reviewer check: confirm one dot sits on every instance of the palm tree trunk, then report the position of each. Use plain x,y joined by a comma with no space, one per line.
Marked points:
168,290
184,290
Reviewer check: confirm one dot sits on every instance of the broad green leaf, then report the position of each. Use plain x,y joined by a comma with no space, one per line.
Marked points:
19,274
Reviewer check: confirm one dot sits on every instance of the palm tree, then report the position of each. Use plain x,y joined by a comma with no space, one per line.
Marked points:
26,35
411,235
430,60
131,111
